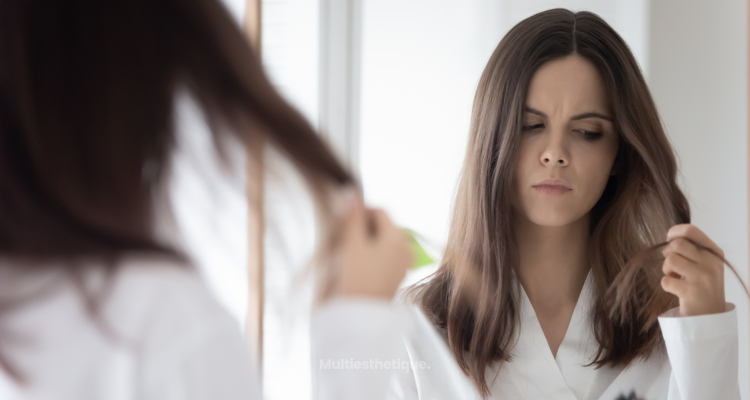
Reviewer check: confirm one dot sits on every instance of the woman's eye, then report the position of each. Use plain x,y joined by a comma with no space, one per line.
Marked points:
589,134
531,127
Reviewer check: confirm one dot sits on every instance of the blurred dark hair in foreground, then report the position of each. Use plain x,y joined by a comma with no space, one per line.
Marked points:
86,98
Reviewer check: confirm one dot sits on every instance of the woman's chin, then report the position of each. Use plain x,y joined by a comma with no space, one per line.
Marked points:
553,220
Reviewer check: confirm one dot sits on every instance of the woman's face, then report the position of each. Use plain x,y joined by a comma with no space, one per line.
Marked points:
568,136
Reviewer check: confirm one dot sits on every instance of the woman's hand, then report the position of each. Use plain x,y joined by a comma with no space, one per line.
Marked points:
693,274
373,253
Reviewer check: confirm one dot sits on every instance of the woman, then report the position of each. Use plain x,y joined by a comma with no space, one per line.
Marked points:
568,176
94,303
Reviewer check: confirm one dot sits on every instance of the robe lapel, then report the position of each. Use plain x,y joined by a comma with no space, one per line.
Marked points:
533,372
578,349
647,379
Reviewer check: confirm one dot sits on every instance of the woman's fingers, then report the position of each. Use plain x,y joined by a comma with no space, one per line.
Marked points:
378,223
374,255
354,220
683,257
381,229
692,272
685,248
692,232
674,285
392,239
678,266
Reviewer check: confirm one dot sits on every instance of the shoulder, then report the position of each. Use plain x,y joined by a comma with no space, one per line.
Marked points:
151,318
128,291
187,340
155,292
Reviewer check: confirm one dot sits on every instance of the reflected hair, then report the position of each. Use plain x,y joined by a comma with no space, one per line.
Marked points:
473,296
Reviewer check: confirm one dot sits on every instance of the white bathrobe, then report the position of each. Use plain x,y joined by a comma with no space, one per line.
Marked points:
701,361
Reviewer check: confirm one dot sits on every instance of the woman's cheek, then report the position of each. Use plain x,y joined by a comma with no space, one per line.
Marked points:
601,170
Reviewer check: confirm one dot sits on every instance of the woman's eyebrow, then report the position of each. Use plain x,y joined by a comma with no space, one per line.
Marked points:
573,118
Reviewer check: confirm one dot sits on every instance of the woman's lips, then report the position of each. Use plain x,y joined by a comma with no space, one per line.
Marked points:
551,189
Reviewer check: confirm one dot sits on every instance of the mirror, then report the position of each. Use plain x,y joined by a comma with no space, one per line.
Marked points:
412,68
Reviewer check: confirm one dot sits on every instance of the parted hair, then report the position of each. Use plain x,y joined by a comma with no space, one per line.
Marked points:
472,296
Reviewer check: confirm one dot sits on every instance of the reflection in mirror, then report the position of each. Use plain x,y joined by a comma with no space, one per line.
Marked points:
417,68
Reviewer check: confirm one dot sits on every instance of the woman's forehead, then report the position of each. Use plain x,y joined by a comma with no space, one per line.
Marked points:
568,85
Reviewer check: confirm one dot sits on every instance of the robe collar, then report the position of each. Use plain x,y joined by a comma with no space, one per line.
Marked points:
565,376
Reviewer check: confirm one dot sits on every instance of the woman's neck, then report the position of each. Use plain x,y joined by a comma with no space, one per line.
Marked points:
553,261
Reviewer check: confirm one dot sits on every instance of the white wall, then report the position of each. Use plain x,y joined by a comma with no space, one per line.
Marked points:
698,77
421,62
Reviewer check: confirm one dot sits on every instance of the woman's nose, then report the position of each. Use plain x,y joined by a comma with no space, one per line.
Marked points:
548,158
554,152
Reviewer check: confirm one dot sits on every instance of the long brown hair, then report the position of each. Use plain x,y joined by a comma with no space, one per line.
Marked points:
473,295
86,99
